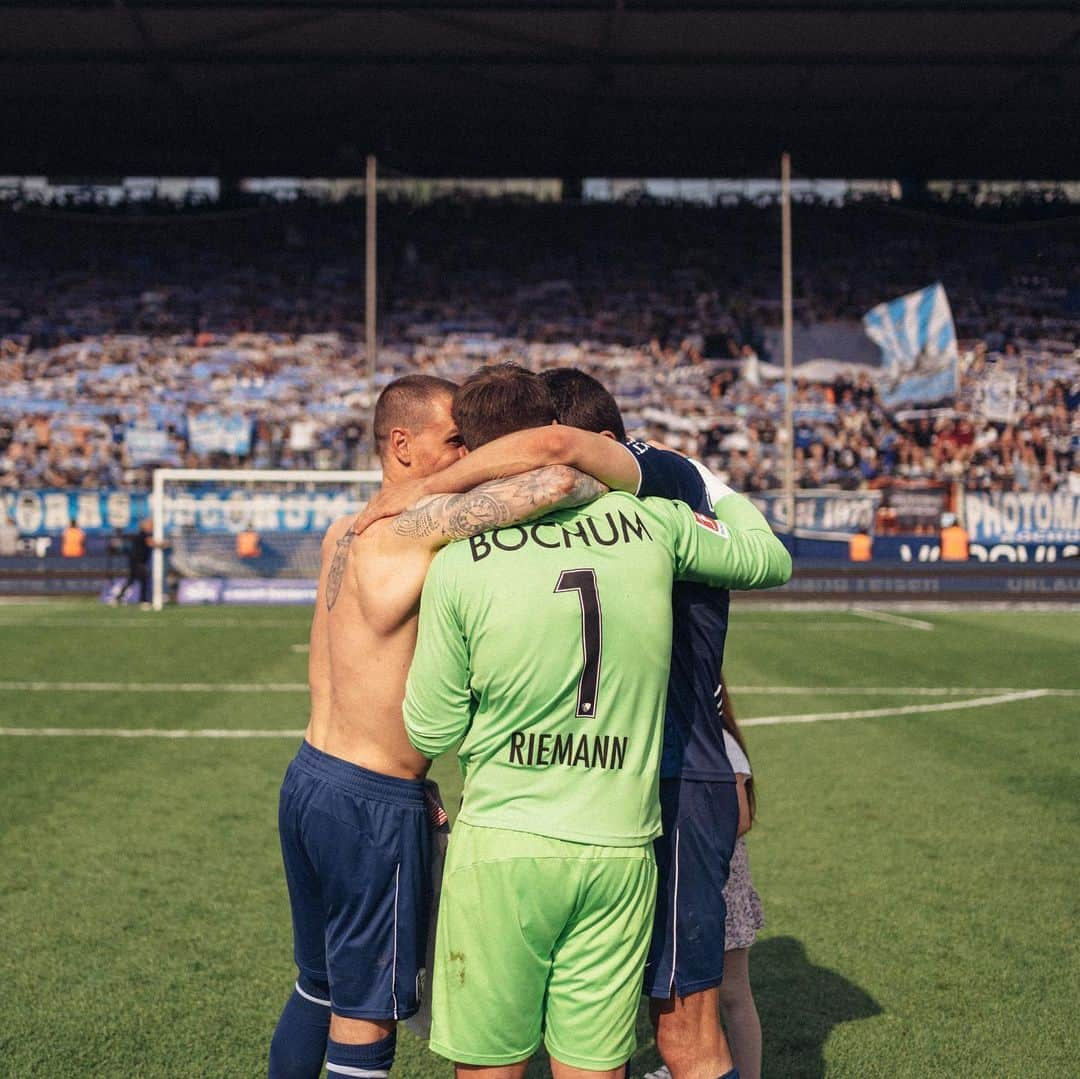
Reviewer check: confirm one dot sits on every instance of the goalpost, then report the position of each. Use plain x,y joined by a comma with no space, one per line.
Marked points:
198,513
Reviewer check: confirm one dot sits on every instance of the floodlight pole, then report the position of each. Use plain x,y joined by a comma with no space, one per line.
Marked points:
370,339
789,349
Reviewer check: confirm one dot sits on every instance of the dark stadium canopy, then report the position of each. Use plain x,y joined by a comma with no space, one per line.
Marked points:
896,88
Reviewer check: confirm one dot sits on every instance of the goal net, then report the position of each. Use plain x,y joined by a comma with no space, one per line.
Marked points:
244,535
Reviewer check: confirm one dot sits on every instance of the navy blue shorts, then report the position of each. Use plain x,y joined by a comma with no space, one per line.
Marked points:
357,852
693,855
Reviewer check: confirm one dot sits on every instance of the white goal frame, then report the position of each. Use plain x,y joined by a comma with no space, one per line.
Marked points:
226,475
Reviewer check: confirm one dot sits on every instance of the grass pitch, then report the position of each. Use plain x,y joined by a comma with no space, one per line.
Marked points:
917,856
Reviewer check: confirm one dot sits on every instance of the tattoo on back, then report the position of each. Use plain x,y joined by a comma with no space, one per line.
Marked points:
337,569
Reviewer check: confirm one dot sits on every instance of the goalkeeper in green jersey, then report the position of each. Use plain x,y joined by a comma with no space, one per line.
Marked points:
547,646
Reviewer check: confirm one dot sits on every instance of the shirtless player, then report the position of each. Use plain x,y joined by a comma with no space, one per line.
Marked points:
354,826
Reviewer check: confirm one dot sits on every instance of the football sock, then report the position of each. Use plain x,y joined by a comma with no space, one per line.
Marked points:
373,1061
299,1043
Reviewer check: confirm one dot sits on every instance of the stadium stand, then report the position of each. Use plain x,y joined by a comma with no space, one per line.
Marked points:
235,339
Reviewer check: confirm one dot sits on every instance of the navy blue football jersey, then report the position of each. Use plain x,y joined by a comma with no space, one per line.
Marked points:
693,731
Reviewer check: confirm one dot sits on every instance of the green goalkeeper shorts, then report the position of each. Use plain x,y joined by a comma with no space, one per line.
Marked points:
540,936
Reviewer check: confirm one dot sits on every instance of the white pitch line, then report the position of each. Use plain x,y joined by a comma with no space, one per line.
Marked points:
139,732
892,691
301,687
156,687
823,627
907,710
759,721
893,619
300,647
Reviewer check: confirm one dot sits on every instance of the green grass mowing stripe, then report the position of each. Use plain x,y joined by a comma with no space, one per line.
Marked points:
928,877
91,656
1022,651
189,711
925,862
893,908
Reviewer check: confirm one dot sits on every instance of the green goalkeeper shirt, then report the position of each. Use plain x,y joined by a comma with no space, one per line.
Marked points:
547,646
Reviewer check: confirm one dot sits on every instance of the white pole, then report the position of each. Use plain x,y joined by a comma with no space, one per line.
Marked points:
789,348
370,339
157,556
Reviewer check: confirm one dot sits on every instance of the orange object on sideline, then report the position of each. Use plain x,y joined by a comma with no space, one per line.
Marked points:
73,542
860,547
954,544
247,544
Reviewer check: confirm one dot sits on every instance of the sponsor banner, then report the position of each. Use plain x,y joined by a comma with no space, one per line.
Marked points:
837,514
246,592
201,590
936,582
216,432
927,550
40,512
917,339
220,510
224,510
1022,517
917,507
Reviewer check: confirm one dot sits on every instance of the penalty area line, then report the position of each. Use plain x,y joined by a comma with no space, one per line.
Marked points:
893,619
759,721
894,691
905,710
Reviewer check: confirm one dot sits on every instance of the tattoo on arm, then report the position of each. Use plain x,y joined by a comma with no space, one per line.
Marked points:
337,569
500,502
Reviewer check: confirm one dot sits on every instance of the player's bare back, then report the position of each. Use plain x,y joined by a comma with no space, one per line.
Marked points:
362,640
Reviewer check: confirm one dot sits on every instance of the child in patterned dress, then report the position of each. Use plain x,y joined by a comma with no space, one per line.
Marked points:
744,916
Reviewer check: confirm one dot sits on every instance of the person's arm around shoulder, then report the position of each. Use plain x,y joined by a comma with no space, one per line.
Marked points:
439,519
737,550
670,475
737,511
608,461
438,701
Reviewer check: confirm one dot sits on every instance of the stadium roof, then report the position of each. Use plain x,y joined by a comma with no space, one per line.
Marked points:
896,88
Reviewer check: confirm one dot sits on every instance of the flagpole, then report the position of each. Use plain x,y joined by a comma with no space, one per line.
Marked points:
370,340
788,345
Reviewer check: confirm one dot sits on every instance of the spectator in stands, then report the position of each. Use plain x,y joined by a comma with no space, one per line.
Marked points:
173,324
954,539
73,541
140,549
247,544
9,535
860,547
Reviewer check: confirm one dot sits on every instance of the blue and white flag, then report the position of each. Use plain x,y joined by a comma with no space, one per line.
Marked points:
217,432
147,445
917,339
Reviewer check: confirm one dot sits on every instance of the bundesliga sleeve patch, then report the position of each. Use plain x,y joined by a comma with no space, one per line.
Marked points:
712,524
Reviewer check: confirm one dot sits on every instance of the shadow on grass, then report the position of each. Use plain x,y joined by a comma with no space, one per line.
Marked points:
799,1004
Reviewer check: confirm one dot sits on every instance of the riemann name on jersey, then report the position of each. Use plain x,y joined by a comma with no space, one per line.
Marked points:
573,750
603,531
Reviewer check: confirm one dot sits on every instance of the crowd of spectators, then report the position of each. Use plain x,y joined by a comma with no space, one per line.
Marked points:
236,338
